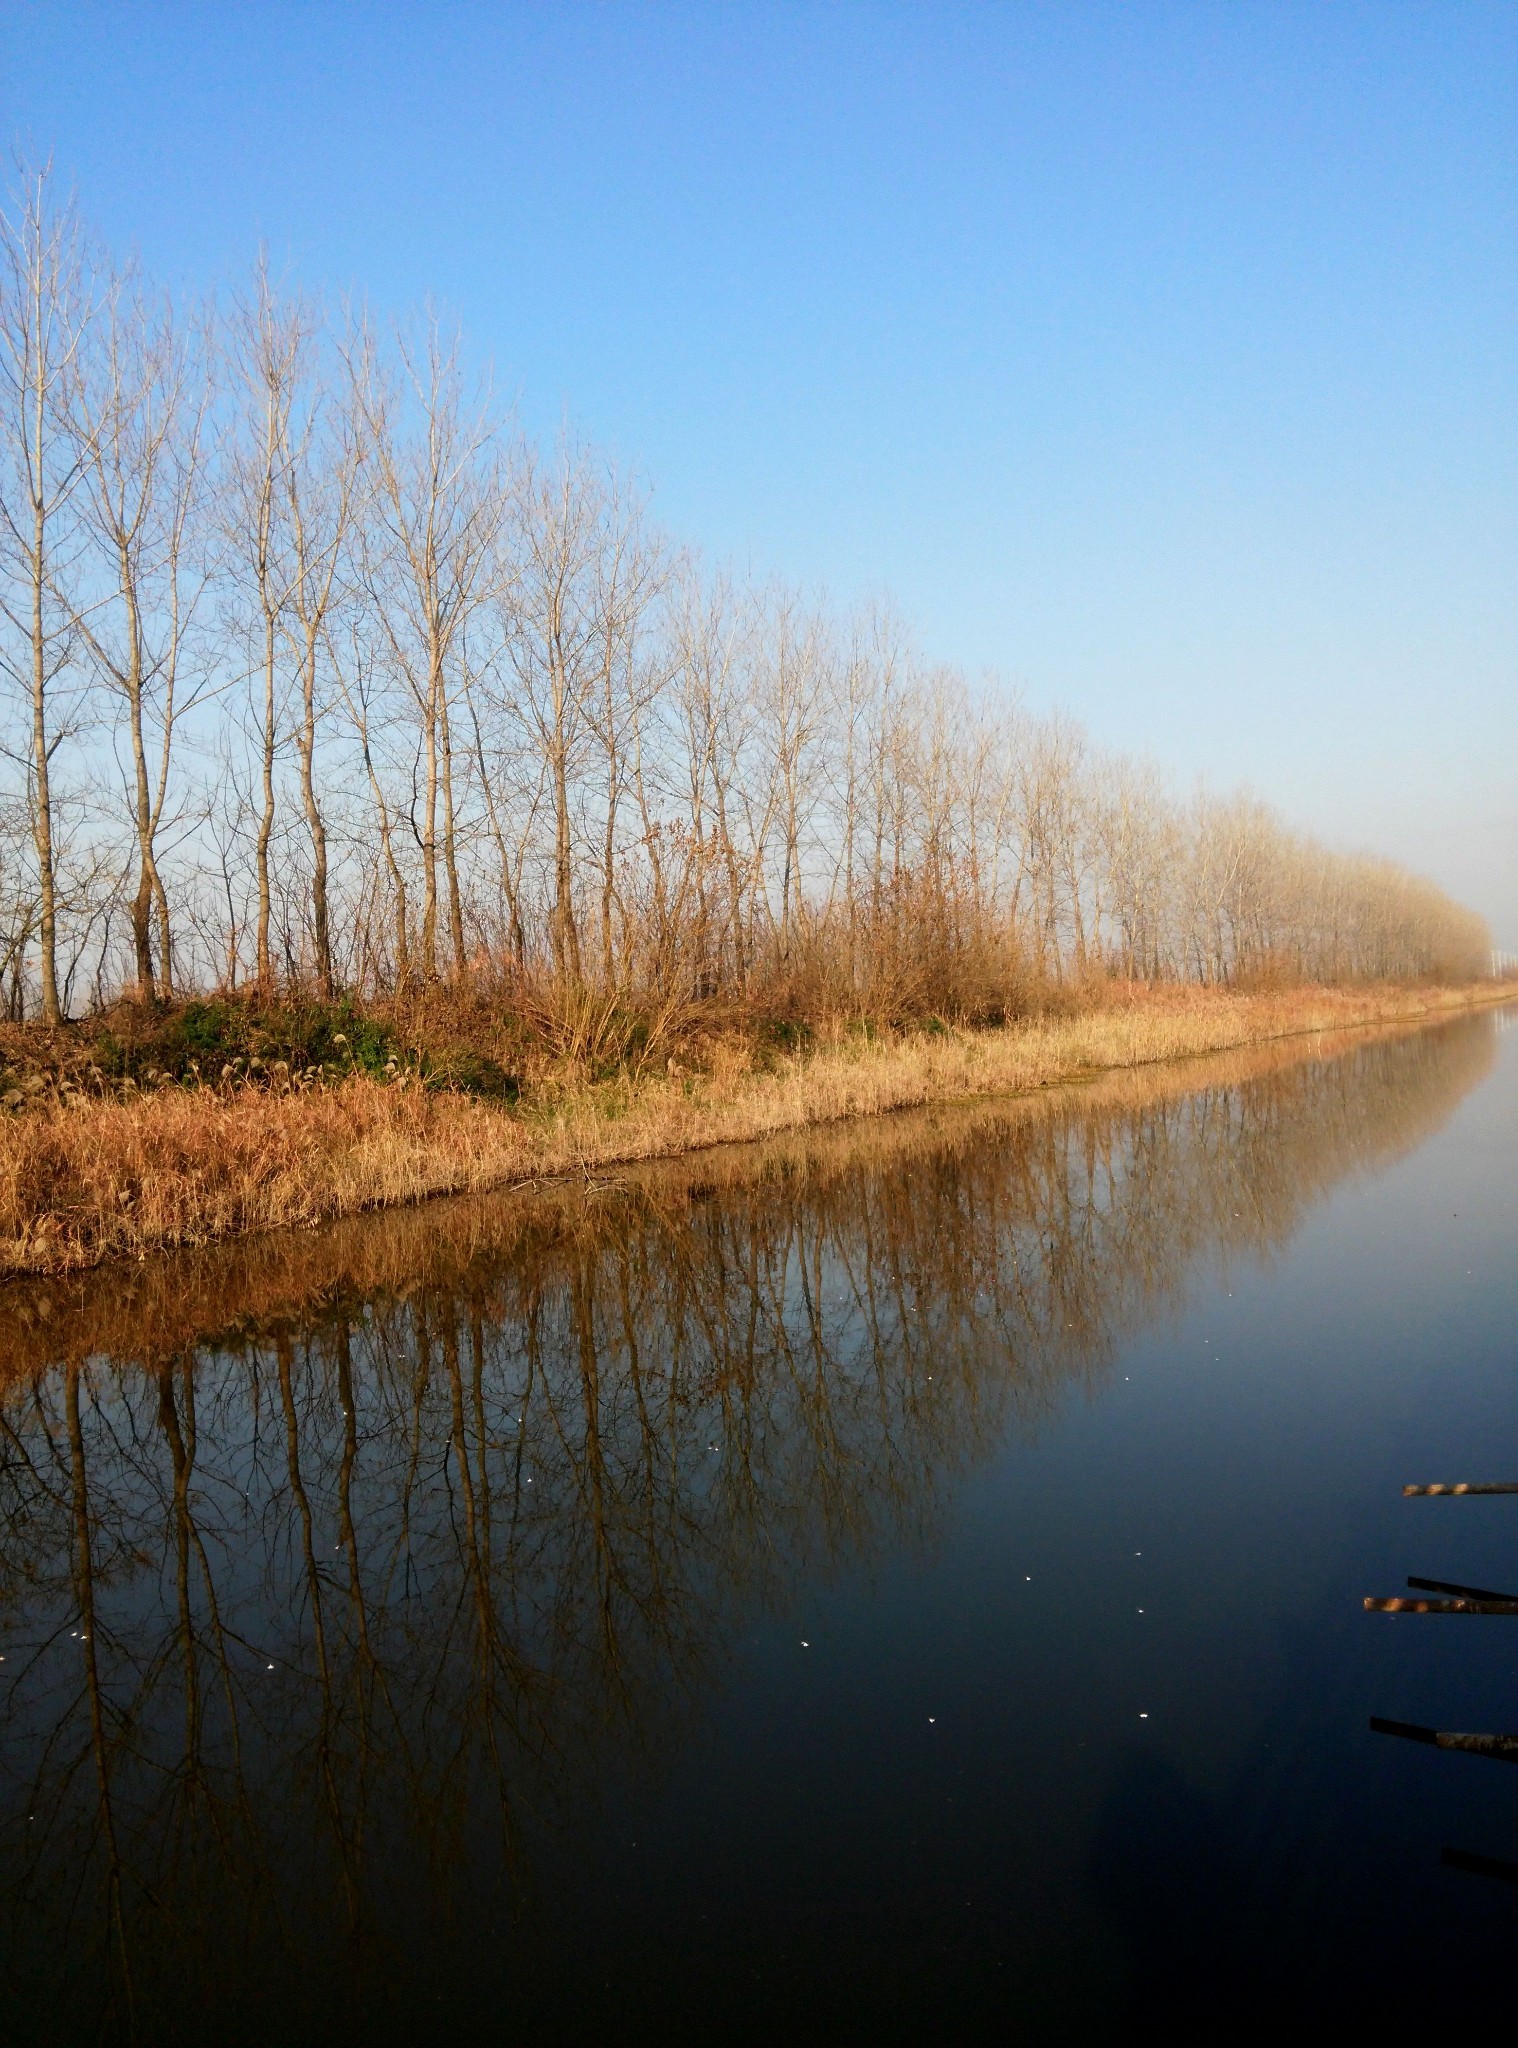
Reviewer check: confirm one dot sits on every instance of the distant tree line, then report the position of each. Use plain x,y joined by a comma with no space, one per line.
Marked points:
317,671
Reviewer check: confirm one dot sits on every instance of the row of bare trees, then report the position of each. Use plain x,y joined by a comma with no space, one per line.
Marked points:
316,670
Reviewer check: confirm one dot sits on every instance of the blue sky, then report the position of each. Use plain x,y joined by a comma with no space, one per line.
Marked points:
1162,358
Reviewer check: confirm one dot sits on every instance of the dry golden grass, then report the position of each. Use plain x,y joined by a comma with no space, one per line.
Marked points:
153,1310
95,1179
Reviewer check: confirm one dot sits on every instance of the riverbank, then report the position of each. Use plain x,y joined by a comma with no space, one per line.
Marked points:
85,1179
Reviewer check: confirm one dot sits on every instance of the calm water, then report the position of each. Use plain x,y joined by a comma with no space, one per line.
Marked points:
903,1585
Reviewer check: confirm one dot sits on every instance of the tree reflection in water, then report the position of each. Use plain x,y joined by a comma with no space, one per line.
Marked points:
319,1553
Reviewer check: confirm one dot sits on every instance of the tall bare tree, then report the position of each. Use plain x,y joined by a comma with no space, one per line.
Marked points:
140,418
322,479
267,340
428,548
46,316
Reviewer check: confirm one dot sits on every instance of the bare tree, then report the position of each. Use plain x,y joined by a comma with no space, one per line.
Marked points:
552,640
140,417
321,478
267,339
428,548
46,315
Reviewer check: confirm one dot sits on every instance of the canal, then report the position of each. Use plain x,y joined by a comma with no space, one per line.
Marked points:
899,1583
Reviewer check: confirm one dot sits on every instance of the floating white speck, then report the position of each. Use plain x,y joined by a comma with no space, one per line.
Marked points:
1143,1717
930,1720
805,1644
270,1667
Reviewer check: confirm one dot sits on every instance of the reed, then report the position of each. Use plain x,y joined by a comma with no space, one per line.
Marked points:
87,1178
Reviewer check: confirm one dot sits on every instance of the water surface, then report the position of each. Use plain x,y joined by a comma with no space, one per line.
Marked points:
898,1584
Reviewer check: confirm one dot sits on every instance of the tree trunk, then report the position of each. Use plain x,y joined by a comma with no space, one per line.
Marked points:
450,843
429,822
42,799
319,908
266,819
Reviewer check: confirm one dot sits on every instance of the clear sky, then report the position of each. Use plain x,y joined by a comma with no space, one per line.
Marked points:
1163,358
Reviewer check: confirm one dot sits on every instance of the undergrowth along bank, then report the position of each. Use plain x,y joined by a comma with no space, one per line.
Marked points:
89,1177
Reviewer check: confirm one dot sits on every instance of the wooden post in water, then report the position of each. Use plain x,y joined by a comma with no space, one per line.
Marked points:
1504,1748
1400,1606
1463,1486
